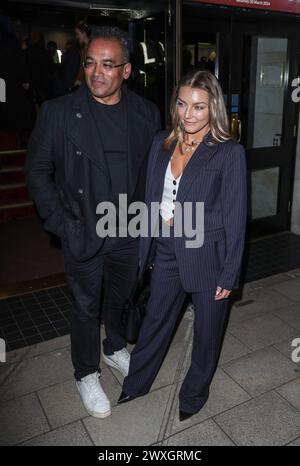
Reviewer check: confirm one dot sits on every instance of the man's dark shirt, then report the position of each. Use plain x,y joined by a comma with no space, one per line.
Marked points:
112,125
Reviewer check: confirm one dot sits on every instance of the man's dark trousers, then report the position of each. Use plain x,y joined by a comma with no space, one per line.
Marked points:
115,265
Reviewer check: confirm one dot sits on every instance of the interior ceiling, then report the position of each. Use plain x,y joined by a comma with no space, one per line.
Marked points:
66,13
63,13
149,5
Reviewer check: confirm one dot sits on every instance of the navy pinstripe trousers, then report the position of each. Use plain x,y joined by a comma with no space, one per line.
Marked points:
163,309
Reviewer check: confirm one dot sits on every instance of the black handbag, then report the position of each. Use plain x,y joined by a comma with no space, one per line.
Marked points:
135,307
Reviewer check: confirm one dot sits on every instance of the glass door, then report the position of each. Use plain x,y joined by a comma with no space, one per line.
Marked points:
263,116
150,58
255,61
154,55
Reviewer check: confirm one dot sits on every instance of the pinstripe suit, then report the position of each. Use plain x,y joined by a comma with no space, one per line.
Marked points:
215,175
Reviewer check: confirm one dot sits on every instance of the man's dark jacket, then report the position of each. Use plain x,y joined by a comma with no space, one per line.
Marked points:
66,170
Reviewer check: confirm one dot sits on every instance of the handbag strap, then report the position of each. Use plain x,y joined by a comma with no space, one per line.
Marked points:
139,281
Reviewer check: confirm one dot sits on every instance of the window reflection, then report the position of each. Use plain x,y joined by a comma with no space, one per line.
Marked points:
201,55
149,60
269,56
264,192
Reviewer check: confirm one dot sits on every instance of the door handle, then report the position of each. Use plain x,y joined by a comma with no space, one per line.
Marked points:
236,127
239,131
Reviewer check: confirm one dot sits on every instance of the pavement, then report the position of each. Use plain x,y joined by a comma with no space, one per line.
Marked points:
254,397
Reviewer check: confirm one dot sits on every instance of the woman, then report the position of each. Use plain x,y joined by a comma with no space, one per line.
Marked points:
70,64
197,162
82,34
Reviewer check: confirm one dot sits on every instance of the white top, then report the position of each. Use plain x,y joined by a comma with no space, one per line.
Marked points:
171,185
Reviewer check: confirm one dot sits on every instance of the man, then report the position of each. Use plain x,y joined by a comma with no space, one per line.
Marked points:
87,148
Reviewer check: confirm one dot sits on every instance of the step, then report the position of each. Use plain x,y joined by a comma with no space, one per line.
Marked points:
13,193
9,140
12,158
12,151
12,175
16,210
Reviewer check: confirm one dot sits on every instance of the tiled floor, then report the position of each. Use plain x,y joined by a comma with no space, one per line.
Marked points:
272,255
35,317
40,316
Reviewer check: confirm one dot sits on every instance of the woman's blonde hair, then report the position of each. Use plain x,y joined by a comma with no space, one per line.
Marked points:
218,120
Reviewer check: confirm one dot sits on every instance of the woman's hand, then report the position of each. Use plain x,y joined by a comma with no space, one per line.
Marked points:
221,293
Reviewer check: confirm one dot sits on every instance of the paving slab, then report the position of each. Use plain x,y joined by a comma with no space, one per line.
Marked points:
37,373
135,423
5,371
21,419
232,349
286,347
261,371
257,303
295,443
62,402
266,420
269,281
207,433
290,315
224,394
71,435
48,346
289,288
291,392
261,331
17,355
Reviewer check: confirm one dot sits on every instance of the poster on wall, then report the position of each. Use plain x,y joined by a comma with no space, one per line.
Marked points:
288,6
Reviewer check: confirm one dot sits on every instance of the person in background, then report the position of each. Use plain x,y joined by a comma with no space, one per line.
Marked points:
70,65
211,62
82,34
52,49
40,68
56,78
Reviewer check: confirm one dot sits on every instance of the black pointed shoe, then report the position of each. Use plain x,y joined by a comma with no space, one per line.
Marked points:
124,398
183,415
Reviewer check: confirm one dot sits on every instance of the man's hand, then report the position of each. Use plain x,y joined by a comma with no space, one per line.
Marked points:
221,293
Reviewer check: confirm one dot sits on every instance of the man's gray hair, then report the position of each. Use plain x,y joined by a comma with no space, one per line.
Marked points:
113,33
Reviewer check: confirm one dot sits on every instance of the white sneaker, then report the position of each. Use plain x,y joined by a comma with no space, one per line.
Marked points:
93,397
119,360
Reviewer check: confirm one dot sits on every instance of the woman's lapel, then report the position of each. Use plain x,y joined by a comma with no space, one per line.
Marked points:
199,159
159,171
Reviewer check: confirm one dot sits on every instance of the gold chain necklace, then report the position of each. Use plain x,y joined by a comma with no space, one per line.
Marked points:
189,147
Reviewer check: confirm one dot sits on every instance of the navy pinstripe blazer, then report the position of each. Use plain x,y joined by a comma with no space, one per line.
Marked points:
216,176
